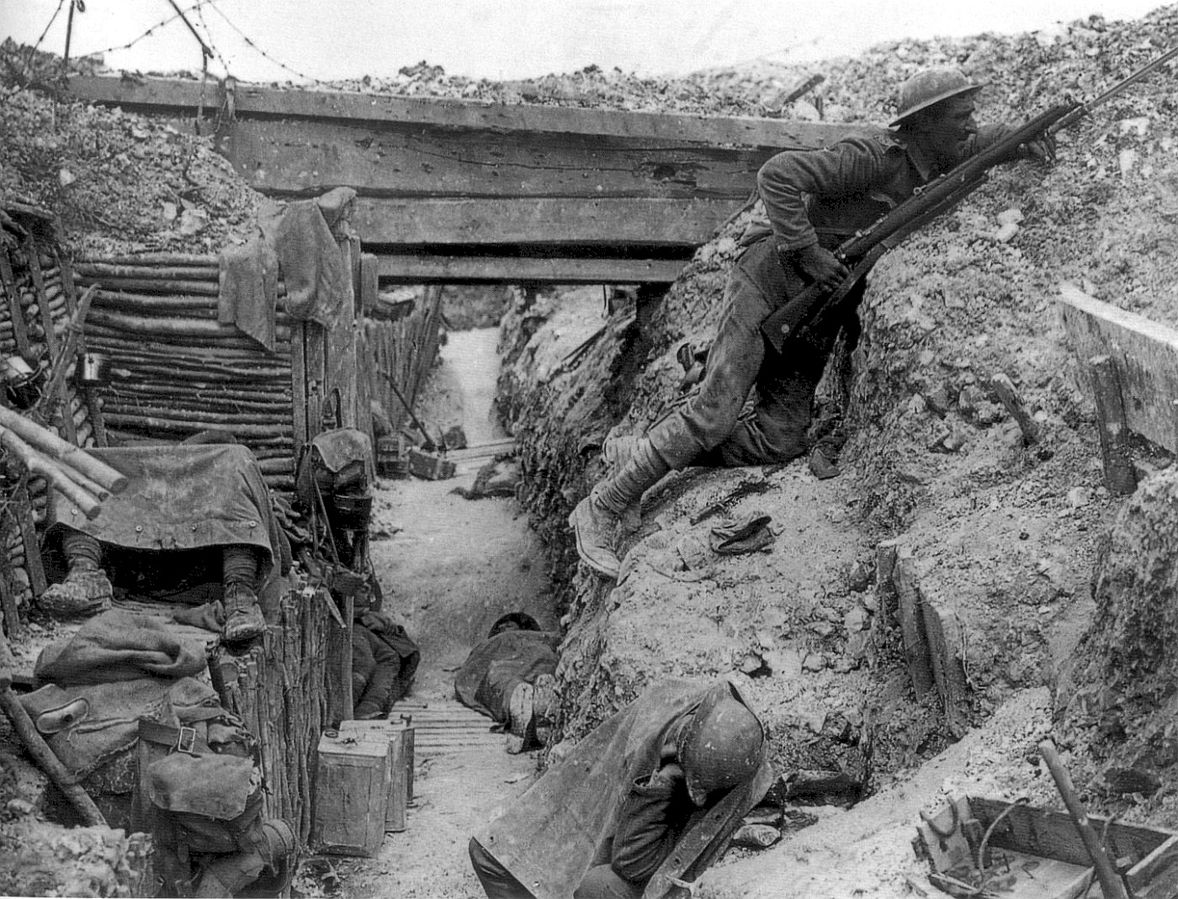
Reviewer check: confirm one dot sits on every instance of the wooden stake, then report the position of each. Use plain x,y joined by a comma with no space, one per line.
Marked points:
36,746
1014,405
22,511
1119,474
15,310
62,451
35,463
1111,886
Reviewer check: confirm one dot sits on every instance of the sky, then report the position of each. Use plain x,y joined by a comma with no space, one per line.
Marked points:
297,40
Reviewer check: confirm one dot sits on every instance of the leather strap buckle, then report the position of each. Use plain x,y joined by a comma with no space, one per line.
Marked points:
186,741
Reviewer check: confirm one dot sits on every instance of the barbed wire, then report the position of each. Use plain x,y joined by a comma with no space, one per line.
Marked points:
209,34
255,47
52,19
169,20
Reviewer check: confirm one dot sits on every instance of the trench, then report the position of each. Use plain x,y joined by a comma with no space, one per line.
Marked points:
450,567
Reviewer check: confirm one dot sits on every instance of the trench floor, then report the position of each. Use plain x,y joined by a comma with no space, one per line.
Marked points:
450,567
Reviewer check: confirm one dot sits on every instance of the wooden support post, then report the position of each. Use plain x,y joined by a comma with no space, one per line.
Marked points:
97,422
30,248
67,282
23,512
1119,474
909,602
20,330
11,613
1014,405
341,341
315,367
298,387
338,676
35,744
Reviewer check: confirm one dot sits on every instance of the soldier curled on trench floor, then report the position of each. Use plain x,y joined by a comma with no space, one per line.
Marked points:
642,804
814,200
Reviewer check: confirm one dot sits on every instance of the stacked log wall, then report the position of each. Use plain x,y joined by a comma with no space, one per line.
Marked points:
175,371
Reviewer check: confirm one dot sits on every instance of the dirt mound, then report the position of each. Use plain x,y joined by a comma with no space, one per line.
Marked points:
119,182
1003,532
1119,701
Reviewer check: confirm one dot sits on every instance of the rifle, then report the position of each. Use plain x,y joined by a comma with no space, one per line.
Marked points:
864,248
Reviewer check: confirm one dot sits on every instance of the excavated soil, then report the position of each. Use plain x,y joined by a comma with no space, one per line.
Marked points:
1006,534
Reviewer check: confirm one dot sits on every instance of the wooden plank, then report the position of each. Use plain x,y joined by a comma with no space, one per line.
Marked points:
1116,454
173,95
315,367
20,328
367,297
8,607
30,248
608,222
943,633
909,602
1144,352
424,268
341,351
1159,864
67,282
23,511
291,156
1052,833
61,402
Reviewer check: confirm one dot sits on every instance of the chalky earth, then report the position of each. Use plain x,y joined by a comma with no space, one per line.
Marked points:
1009,537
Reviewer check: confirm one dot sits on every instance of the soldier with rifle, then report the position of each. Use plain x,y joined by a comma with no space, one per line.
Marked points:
798,280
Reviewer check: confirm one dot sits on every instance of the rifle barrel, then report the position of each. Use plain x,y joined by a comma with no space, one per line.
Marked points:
1087,107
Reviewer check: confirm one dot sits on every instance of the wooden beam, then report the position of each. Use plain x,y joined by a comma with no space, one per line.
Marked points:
909,608
422,268
1144,352
1052,833
1116,454
172,95
298,156
607,222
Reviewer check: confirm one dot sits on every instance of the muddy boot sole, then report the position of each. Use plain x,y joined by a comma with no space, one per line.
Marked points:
590,542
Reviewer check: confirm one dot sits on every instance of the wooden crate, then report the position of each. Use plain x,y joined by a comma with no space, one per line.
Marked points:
351,794
430,466
399,739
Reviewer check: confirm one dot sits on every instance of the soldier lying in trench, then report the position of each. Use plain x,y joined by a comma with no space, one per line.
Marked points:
640,806
814,201
509,677
195,527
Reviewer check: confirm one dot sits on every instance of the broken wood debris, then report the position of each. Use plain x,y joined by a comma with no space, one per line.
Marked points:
748,487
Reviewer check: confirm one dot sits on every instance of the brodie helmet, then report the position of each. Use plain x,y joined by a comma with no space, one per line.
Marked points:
928,88
721,744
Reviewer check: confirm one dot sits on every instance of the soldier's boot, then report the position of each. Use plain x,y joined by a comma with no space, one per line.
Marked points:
265,864
86,589
597,516
616,452
243,615
520,709
545,705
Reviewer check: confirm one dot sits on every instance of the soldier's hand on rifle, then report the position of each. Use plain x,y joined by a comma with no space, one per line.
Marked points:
819,265
1041,150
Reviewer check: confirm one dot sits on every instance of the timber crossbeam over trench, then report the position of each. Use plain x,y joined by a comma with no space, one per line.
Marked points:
462,191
